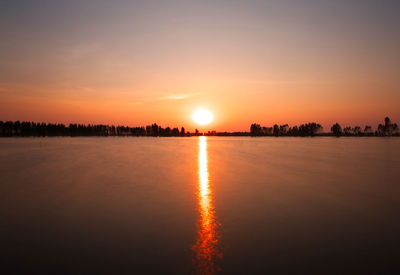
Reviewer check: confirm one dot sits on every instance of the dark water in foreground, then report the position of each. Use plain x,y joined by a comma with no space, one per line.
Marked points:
200,205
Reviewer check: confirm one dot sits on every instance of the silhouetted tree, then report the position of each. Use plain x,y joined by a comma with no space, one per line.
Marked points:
357,131
381,129
266,131
148,130
255,129
168,131
276,130
175,132
388,126
283,129
348,131
388,122
309,129
336,129
154,130
367,130
395,128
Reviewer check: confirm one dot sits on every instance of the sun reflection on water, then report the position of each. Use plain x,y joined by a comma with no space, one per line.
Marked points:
206,247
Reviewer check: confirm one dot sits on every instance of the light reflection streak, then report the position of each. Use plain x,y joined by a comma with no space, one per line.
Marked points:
206,247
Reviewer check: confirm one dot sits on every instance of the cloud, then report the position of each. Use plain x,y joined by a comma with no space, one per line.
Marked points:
175,97
164,98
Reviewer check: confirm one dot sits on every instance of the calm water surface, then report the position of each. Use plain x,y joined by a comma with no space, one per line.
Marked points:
200,205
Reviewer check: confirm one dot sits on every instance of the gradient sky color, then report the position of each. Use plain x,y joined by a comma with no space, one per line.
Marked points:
138,62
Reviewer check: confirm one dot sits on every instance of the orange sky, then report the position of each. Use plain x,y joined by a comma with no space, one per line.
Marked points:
247,61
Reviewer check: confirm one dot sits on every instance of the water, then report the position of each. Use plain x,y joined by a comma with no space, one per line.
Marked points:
200,205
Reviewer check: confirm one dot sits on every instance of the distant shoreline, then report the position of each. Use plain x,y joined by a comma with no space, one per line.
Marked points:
311,129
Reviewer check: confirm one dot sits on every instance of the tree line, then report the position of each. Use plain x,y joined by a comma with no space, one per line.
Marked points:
27,129
308,129
313,129
386,129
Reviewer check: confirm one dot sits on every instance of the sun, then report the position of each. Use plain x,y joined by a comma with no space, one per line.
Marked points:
202,116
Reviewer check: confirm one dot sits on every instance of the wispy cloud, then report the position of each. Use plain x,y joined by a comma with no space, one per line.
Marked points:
164,98
175,97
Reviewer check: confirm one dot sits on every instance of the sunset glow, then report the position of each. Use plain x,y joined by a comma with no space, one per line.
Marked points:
200,136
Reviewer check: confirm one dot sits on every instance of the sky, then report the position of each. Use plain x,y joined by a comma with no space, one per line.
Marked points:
138,62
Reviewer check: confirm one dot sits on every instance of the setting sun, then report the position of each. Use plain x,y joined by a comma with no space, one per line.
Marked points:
202,117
